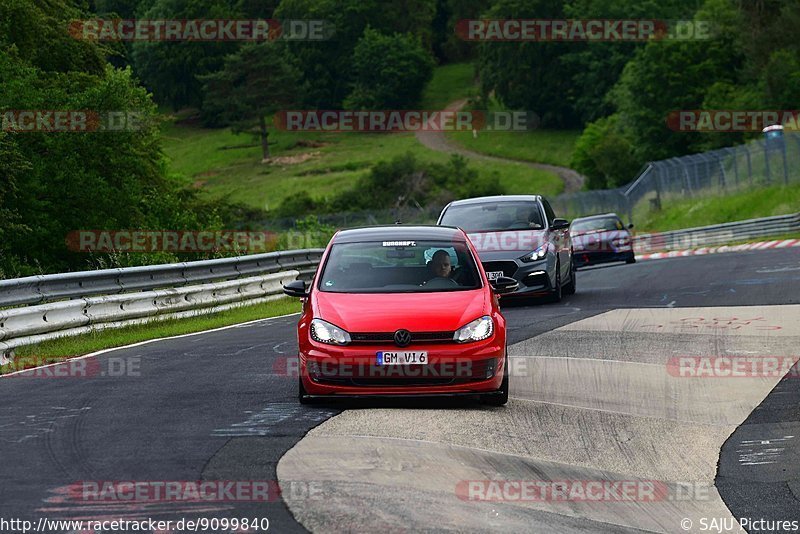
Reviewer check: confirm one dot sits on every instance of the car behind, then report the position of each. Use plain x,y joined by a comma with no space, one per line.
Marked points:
518,236
601,239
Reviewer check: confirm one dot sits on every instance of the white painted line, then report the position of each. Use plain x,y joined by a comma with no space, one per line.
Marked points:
145,342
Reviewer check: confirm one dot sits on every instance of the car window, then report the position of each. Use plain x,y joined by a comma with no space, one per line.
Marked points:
451,251
494,216
397,267
588,225
551,215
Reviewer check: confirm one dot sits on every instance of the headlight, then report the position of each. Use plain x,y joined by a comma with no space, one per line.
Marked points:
325,332
477,330
537,254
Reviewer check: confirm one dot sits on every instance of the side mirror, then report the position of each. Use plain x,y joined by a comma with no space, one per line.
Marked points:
559,224
630,226
296,288
504,284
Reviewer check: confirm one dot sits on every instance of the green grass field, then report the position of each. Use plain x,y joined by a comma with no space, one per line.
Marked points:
540,146
702,211
449,83
226,164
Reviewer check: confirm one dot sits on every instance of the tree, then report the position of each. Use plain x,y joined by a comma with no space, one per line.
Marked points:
389,71
327,66
170,69
604,155
256,81
55,182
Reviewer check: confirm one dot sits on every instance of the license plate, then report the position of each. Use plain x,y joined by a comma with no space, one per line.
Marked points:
494,275
402,358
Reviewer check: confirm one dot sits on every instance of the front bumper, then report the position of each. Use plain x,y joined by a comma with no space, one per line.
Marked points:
534,277
453,369
584,258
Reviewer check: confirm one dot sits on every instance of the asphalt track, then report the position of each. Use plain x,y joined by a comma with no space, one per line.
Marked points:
591,401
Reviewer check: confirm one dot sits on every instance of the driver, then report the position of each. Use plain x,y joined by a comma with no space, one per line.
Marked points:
527,218
441,268
440,265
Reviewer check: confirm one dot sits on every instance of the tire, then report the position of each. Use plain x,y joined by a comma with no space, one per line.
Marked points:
500,398
571,286
632,259
555,295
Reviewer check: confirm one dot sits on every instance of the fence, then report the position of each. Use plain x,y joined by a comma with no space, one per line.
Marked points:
44,307
759,163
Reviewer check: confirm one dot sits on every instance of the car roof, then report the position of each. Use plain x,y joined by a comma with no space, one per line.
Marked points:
496,198
600,216
399,232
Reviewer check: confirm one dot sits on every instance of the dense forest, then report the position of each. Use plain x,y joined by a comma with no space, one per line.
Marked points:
380,56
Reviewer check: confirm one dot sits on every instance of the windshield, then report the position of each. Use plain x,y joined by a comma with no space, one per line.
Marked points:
494,216
399,267
589,225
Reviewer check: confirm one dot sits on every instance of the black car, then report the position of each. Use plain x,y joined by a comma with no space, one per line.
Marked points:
518,236
601,239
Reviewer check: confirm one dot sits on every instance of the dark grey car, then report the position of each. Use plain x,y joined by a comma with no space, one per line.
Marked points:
518,236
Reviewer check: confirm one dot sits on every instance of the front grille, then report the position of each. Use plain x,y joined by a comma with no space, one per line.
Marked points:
436,374
388,337
508,267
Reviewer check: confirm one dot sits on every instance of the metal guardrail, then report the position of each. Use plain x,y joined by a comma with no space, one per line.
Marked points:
51,287
66,304
718,234
72,303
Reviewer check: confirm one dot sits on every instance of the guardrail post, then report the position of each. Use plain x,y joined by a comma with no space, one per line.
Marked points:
785,164
723,178
766,163
749,165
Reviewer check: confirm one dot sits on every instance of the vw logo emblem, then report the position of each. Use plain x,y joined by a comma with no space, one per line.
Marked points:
402,338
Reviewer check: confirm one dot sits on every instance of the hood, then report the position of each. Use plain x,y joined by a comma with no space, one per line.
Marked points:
417,312
506,244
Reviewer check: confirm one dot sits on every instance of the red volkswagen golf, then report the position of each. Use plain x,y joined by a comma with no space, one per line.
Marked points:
402,311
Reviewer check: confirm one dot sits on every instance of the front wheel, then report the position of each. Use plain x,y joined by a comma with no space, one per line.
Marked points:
555,294
571,286
500,397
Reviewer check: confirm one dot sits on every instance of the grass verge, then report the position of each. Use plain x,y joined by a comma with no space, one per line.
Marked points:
56,350
703,211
